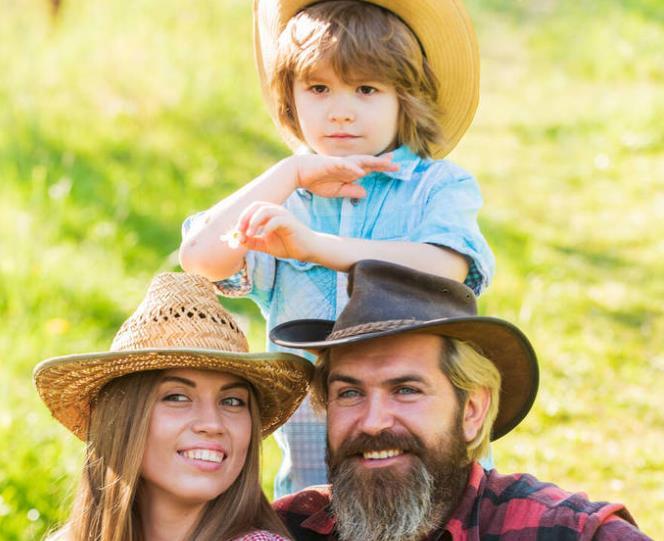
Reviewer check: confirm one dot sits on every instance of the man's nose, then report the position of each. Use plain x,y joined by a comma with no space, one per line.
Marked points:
376,416
208,419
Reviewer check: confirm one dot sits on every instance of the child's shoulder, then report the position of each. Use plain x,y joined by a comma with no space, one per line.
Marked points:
443,169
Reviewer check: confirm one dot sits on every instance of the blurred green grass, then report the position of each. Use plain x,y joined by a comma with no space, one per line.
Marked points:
117,120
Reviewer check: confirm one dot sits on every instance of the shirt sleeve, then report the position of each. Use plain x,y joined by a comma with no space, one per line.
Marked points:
450,220
616,529
254,280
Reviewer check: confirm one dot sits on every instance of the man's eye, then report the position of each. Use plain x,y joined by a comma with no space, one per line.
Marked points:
318,89
407,391
366,90
349,394
176,397
233,402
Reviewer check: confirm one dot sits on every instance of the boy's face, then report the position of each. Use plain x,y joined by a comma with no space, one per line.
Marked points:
341,119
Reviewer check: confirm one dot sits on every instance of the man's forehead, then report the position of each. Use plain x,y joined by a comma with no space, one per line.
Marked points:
413,356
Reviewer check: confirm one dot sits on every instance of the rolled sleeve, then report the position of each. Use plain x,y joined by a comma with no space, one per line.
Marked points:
450,220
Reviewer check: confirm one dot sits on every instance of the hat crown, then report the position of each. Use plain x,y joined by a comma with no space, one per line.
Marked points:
381,292
180,311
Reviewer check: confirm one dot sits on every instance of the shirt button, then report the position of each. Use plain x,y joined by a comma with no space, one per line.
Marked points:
355,201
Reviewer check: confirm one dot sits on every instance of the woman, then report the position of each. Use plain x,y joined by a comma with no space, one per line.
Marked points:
173,416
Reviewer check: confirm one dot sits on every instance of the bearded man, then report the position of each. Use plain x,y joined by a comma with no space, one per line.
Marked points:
415,385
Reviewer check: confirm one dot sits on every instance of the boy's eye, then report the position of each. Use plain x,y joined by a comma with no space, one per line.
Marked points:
366,90
318,89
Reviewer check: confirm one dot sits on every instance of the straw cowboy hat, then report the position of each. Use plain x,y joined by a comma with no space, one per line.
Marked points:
179,324
388,299
444,31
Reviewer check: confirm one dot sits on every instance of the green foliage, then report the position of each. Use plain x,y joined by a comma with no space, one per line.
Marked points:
117,120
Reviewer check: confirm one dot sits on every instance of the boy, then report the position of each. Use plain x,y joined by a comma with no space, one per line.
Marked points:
372,93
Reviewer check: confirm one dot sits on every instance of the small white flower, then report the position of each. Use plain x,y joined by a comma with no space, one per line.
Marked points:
232,238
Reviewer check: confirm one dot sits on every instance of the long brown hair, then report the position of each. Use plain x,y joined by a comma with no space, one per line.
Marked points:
105,506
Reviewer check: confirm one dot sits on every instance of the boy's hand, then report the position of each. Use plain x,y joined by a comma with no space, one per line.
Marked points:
272,229
333,176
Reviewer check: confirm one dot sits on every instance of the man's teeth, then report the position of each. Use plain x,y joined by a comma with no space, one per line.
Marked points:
377,455
204,454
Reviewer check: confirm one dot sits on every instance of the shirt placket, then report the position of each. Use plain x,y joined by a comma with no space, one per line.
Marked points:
349,210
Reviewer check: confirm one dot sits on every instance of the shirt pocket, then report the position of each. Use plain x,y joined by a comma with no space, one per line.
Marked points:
395,225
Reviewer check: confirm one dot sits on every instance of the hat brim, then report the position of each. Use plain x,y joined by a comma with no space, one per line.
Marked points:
498,340
68,384
445,33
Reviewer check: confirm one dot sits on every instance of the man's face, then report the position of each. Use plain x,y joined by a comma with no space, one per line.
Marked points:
397,450
391,385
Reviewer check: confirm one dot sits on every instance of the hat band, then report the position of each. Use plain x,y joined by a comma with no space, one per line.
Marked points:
372,326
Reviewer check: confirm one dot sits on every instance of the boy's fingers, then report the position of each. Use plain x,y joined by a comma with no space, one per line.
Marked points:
260,217
352,190
246,215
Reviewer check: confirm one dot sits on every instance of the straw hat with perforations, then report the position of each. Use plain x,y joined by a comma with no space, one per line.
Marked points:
447,38
179,324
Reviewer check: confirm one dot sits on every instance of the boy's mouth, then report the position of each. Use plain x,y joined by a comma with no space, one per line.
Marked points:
342,135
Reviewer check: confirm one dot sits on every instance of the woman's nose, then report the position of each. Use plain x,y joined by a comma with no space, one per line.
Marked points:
208,419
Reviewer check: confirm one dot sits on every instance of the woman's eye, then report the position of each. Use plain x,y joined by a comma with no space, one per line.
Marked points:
233,402
176,397
366,90
318,89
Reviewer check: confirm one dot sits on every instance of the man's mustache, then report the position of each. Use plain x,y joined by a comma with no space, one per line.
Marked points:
385,440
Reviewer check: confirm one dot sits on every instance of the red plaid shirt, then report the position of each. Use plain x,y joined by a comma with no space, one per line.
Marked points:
493,507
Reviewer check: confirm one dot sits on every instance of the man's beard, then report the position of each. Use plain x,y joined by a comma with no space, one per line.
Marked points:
390,504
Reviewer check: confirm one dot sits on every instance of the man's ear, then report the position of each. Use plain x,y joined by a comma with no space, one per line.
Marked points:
475,410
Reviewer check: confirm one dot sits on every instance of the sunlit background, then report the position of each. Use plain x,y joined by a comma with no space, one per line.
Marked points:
118,119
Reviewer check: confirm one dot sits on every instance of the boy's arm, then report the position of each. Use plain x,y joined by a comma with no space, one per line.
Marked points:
340,253
274,230
203,252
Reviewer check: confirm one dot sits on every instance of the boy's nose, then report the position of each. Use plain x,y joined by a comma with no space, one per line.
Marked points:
340,114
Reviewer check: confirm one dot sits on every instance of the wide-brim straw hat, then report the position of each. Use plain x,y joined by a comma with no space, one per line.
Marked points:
447,38
179,324
388,299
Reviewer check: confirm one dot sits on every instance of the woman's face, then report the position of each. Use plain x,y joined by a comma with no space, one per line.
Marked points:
199,434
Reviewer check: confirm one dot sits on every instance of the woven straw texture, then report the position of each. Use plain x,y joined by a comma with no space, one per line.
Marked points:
179,324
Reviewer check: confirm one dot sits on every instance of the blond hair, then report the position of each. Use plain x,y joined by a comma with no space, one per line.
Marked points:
105,505
360,41
467,369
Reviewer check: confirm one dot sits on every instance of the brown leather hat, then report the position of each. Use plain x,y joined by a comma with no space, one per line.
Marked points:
387,299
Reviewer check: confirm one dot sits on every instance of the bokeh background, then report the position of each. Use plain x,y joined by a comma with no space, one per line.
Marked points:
118,119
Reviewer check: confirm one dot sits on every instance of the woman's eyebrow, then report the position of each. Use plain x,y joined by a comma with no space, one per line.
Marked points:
235,384
179,379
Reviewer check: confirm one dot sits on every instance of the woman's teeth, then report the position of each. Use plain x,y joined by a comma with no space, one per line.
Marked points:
204,454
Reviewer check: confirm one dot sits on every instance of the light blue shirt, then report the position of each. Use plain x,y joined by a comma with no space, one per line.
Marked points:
430,201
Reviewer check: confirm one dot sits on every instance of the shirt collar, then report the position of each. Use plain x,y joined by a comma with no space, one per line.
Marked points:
407,161
321,522
461,519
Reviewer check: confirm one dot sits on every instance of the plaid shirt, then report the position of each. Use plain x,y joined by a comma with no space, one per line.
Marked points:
261,535
425,201
493,507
